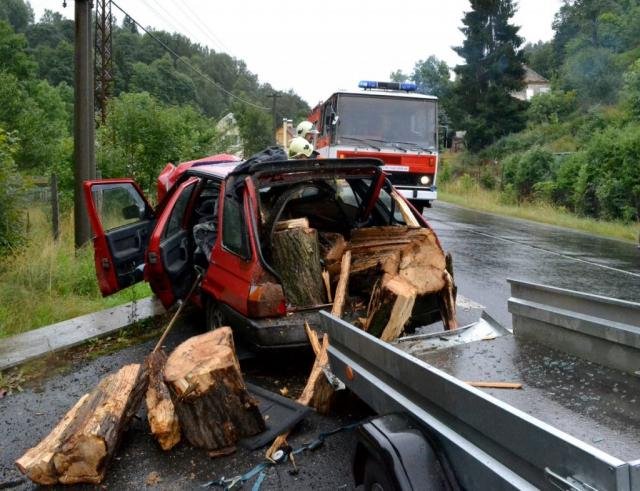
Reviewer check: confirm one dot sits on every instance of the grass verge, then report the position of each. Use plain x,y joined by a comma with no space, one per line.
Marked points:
476,198
48,281
33,373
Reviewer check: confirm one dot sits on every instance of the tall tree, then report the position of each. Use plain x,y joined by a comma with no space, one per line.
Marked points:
481,101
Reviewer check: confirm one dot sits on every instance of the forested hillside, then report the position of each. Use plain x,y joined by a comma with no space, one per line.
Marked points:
577,147
162,110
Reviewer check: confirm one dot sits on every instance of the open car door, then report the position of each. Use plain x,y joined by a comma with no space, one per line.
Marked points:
122,220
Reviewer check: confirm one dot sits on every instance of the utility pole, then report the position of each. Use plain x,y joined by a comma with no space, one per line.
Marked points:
83,130
103,57
274,96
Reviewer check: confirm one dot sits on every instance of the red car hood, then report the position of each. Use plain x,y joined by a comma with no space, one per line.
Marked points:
171,173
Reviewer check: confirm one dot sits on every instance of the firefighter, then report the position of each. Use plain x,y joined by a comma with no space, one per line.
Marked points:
305,130
300,148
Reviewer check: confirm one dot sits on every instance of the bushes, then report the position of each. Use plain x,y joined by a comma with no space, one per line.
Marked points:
524,171
12,197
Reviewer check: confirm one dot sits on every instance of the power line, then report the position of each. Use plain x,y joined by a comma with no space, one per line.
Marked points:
178,58
210,35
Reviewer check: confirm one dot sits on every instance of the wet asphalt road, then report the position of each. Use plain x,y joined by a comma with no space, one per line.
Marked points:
486,250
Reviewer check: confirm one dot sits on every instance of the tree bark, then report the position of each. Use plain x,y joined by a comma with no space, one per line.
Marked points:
296,257
80,447
161,412
206,385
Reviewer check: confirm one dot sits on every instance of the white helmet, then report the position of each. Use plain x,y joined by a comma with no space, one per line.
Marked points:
300,146
303,128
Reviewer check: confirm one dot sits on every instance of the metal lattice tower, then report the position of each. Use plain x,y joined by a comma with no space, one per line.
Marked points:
103,58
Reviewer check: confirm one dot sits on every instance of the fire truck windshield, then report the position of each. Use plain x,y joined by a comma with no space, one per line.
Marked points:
387,119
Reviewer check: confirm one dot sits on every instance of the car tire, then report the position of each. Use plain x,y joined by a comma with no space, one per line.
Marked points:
214,316
376,478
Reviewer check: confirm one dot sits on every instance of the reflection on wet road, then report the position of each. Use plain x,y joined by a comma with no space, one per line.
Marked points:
487,249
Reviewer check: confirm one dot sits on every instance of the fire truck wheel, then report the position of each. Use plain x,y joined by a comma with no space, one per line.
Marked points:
214,317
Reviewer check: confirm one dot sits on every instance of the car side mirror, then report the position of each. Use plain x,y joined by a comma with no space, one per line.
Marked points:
132,212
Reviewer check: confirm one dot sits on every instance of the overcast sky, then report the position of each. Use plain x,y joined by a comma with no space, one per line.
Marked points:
317,47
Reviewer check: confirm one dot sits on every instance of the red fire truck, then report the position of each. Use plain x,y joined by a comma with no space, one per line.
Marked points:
389,121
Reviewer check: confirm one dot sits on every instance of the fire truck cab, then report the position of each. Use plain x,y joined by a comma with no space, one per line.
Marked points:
389,121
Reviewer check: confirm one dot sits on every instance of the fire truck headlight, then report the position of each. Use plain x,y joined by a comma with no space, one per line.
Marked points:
425,180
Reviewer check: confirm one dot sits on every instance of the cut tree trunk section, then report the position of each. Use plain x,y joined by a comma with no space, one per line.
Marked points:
80,447
161,413
206,385
296,258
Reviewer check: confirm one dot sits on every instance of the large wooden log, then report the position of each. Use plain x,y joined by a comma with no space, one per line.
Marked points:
206,385
80,447
296,257
161,413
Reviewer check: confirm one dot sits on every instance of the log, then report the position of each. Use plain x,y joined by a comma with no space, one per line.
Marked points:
343,282
161,413
296,257
79,448
206,385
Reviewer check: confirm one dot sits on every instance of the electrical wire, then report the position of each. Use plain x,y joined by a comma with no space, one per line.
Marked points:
196,70
210,35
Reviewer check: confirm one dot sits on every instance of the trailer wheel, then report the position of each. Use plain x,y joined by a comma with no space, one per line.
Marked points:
214,317
375,477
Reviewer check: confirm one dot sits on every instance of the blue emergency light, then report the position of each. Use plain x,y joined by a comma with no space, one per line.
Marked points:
371,84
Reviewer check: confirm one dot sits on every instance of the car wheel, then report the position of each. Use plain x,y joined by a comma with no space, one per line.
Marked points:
375,477
214,317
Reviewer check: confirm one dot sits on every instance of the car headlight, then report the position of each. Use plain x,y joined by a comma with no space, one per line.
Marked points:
425,180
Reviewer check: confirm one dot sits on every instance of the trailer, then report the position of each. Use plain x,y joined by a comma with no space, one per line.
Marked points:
574,424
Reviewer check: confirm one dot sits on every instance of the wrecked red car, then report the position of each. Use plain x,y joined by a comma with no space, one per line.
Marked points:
219,216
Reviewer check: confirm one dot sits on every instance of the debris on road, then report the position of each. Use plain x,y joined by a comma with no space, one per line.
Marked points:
161,413
208,391
318,392
496,385
79,448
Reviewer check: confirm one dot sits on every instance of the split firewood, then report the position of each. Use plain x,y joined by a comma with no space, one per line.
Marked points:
296,257
318,392
397,297
447,302
293,223
208,391
161,412
326,277
343,282
79,448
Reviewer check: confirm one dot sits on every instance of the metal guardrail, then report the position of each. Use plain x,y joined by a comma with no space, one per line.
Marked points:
599,329
491,444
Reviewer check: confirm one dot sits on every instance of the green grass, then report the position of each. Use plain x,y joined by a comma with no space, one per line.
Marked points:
47,281
476,198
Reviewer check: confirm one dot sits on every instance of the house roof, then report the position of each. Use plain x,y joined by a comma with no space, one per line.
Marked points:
533,77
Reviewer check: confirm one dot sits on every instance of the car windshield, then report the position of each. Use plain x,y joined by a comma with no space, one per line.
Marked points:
372,120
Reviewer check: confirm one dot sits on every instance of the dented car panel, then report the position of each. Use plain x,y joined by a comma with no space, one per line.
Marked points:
222,215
